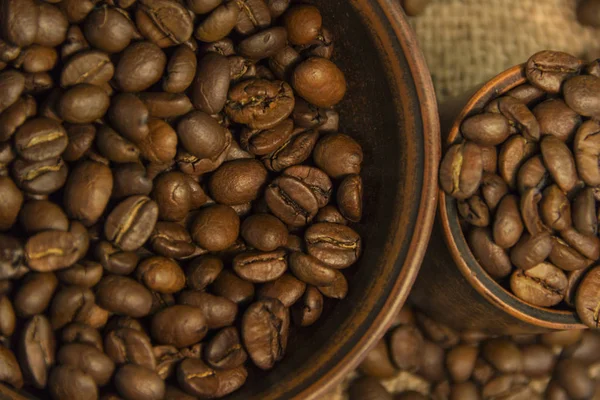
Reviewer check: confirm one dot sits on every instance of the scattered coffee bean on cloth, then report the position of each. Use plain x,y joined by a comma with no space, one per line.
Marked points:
176,197
525,172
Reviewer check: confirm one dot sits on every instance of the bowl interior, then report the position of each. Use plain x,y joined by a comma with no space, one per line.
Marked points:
390,109
464,258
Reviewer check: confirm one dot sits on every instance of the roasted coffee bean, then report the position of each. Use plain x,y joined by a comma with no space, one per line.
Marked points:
52,26
197,378
555,208
219,23
225,351
311,270
38,83
15,116
264,142
40,215
531,250
70,383
548,70
538,360
130,179
163,22
161,301
338,289
202,271
115,260
337,246
295,151
123,296
589,246
265,44
265,327
172,195
560,162
141,66
201,135
115,147
574,378
461,170
493,258
135,382
8,51
292,201
584,348
131,222
173,393
520,117
75,40
179,326
584,213
530,212
81,139
486,129
160,146
161,274
171,240
127,345
87,191
405,347
85,273
26,13
514,152
330,214
108,30
254,15
319,81
474,211
573,279
259,267
309,309
12,84
83,104
283,63
130,116
533,175
460,362
211,84
218,311
166,105
303,23
287,289
70,304
543,285
264,232
586,149
585,299
580,95
202,6
503,354
35,294
215,227
180,71
37,59
12,260
78,332
367,388
558,119
238,181
11,200
51,251
8,318
378,363
307,116
93,67
89,360
167,358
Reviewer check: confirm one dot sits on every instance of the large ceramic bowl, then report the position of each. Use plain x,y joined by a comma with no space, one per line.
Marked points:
391,110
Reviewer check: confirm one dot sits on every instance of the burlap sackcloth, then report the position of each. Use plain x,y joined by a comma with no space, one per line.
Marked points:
465,43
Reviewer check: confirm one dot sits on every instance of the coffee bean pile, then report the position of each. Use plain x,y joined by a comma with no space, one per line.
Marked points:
472,365
526,172
174,192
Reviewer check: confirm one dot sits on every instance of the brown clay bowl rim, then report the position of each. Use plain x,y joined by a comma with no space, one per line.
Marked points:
390,13
457,243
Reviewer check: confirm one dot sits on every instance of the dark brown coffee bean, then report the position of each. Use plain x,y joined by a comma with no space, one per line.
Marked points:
123,296
520,117
308,116
543,285
254,15
584,213
135,382
531,250
556,118
225,351
108,30
165,23
286,289
12,259
11,200
584,349
405,347
35,293
303,24
129,115
25,31
585,299
115,147
580,95
265,44
171,240
530,212
115,260
41,177
574,378
319,81
127,345
321,185
295,151
202,6
218,311
330,214
202,271
548,70
12,84
130,179
367,388
8,51
180,71
87,191
555,208
533,175
8,318
219,23
538,360
51,251
36,59
337,246
70,383
131,222
167,358
52,26
201,135
141,66
573,279
211,84
264,142
166,105
586,148
75,40
259,267
486,129
10,372
78,332
15,116
83,104
460,362
291,200
85,273
172,195
89,360
160,146
215,228
283,63
474,211
513,154
589,246
309,309
197,378
265,327
559,161
81,139
311,270
161,274
264,232
378,363
338,289
70,304
493,258
461,170
179,326
93,67
238,181
504,355
161,301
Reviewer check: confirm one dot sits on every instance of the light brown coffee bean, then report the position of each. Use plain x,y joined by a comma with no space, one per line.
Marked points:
543,285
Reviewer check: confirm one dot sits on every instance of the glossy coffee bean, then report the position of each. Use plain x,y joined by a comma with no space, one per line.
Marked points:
263,44
197,378
83,104
108,30
585,300
11,200
264,232
405,347
513,154
202,271
486,129
180,71
171,240
51,251
123,296
218,311
474,211
40,139
548,70
12,259
319,81
78,332
238,181
287,289
338,289
586,149
87,192
254,15
538,360
35,294
129,116
37,350
179,325
166,105
520,117
130,179
160,146
309,309
141,65
225,350
127,345
283,63
260,267
36,59
461,170
75,40
89,360
580,95
211,84
219,23
12,84
589,246
9,319
114,260
15,116
291,200
135,382
557,119
533,175
293,152
93,67
337,246
265,327
161,274
85,273
131,222
70,383
330,214
543,285
70,304
201,135
378,363
165,23
115,147
215,227
264,142
81,139
367,388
